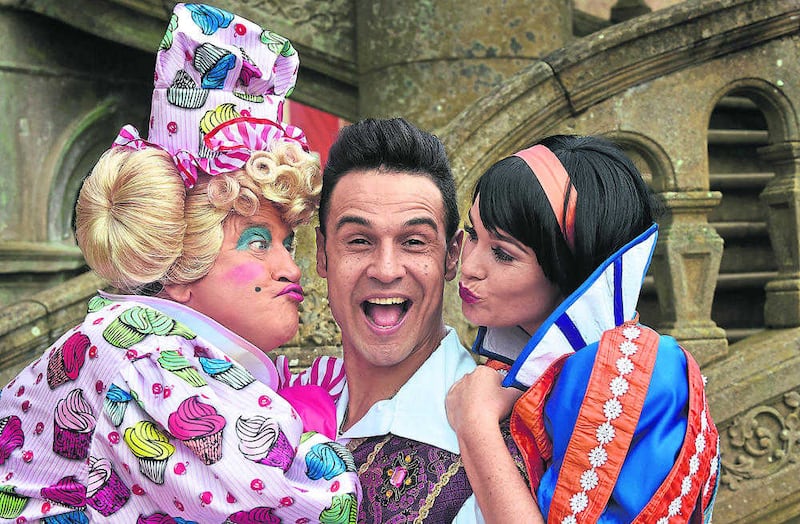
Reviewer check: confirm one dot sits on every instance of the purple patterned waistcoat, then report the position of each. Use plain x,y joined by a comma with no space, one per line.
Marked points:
405,481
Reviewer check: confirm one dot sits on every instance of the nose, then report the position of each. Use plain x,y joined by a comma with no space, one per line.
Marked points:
286,269
472,267
387,265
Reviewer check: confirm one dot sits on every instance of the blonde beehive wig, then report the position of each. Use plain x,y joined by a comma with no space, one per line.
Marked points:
137,224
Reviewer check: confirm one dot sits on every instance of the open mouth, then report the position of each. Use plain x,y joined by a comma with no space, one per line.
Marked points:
386,312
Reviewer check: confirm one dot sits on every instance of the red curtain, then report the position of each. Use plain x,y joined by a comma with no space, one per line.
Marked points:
320,127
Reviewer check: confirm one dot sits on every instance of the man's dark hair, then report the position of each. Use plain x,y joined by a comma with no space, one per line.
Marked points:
391,144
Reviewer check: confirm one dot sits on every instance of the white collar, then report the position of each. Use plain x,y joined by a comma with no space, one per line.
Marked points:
604,300
417,411
501,343
243,352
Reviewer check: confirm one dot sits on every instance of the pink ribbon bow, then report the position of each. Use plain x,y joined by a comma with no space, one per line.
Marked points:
231,143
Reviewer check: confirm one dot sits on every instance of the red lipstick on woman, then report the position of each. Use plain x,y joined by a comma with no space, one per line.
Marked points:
466,295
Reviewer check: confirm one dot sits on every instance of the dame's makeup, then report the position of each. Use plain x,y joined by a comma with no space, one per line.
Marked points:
257,239
254,234
245,274
263,235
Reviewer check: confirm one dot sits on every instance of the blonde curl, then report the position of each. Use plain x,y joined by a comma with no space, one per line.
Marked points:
286,177
129,217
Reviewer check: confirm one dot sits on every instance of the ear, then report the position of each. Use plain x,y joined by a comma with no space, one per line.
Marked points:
453,254
322,259
181,293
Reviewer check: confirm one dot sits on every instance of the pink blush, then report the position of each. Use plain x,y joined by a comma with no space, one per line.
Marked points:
245,273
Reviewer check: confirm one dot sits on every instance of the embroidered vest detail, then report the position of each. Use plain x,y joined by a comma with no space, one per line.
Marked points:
404,480
407,481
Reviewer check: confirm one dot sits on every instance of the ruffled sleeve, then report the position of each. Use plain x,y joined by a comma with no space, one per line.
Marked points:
326,372
313,392
51,427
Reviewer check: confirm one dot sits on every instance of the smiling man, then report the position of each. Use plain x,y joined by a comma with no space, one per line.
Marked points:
388,241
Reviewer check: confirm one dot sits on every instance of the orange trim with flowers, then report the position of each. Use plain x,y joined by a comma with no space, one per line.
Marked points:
606,422
677,498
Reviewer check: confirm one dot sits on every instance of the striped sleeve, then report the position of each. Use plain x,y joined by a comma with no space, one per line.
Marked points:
326,372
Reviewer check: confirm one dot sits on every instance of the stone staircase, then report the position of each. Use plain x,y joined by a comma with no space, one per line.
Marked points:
736,130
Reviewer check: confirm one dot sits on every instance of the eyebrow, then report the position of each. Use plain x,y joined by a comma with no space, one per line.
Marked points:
423,221
361,221
251,221
244,226
254,223
350,219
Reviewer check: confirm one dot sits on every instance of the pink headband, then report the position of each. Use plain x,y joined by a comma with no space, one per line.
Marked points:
555,181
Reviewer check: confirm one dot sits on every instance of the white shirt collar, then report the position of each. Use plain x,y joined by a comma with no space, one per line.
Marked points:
501,343
417,411
243,352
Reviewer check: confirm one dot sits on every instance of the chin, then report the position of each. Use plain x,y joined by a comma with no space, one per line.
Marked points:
280,335
473,319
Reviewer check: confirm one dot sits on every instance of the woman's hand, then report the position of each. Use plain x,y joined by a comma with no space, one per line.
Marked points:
479,398
475,406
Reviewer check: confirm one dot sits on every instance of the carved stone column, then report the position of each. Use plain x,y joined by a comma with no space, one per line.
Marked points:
427,61
685,266
60,112
782,196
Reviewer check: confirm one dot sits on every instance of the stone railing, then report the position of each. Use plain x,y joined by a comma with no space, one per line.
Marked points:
28,327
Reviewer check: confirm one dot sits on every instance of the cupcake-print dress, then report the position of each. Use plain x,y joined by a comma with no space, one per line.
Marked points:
141,415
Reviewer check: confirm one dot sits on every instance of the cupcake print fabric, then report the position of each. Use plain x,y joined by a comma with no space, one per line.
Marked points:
132,417
220,86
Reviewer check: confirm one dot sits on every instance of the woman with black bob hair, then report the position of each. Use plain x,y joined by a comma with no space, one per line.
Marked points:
616,205
610,417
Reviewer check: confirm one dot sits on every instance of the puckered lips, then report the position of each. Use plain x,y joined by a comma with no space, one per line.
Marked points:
385,314
466,295
293,291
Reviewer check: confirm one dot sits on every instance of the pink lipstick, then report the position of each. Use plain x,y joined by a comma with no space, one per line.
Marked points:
466,295
294,291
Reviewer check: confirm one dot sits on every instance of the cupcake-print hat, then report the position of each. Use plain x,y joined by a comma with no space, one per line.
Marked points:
220,85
